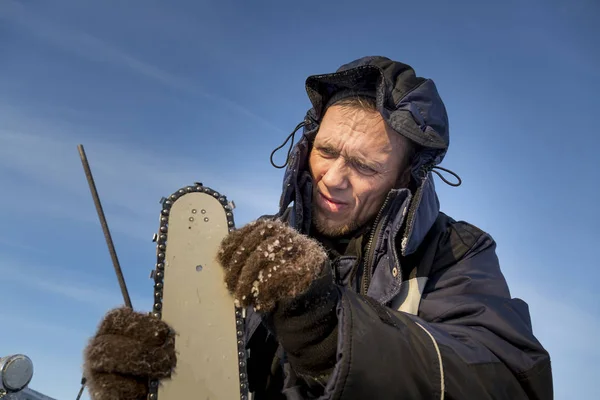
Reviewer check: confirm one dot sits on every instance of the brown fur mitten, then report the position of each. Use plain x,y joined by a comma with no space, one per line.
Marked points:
128,349
267,261
286,275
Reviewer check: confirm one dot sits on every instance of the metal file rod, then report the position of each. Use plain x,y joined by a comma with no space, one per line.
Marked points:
109,242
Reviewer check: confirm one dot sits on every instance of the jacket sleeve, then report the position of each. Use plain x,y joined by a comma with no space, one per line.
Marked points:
470,340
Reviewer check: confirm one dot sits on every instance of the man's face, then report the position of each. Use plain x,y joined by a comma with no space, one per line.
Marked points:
355,161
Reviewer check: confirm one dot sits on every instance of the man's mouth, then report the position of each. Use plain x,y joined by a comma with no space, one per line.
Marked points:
329,203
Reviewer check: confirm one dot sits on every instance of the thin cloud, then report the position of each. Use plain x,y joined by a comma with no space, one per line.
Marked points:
38,279
36,325
7,242
128,178
42,153
95,49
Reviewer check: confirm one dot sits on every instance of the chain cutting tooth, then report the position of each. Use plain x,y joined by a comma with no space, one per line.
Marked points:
158,275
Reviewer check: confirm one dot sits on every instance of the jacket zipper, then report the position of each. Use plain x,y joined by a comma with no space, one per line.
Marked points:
367,267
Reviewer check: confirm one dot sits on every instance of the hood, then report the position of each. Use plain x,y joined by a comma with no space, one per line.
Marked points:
409,104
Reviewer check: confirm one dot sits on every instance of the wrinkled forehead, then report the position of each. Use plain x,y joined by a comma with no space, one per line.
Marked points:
365,129
360,143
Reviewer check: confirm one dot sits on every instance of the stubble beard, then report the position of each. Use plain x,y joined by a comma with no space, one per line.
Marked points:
331,228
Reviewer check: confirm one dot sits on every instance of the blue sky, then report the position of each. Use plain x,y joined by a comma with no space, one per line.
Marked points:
165,94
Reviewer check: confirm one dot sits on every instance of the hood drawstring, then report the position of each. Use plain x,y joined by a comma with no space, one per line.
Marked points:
290,136
433,169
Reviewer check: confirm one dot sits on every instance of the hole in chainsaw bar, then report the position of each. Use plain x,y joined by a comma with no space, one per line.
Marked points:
199,268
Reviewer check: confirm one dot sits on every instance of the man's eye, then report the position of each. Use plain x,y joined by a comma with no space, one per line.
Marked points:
328,152
365,169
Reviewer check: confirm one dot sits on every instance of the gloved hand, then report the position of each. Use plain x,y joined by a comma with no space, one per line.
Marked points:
128,349
287,276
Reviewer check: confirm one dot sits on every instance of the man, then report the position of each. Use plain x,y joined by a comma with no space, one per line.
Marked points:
359,287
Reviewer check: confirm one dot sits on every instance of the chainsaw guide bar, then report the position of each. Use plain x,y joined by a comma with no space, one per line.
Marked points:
190,295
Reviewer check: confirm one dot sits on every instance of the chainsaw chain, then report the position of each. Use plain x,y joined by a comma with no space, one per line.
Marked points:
158,275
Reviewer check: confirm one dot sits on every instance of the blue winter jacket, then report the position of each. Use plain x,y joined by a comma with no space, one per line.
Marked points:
434,318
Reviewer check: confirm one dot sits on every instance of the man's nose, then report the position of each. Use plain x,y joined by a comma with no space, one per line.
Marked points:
336,176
